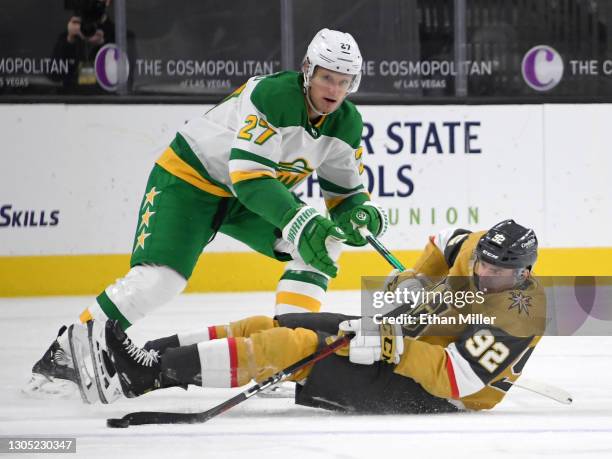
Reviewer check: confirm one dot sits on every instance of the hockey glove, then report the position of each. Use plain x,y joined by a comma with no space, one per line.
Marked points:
313,235
369,215
408,280
373,342
408,286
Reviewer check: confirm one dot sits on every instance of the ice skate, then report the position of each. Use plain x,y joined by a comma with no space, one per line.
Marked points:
106,379
139,370
53,376
82,363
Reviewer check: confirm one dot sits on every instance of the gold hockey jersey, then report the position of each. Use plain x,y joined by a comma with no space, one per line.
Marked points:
474,354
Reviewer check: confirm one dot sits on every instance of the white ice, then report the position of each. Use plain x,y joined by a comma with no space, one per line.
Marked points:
523,425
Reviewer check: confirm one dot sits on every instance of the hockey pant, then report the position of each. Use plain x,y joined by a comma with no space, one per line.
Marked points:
255,348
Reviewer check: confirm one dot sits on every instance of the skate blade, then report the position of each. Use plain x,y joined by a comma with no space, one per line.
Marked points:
81,360
108,387
41,387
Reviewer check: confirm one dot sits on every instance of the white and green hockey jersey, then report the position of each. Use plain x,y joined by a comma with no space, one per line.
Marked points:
262,131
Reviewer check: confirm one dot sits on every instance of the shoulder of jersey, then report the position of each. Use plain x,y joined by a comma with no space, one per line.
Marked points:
520,311
279,97
461,245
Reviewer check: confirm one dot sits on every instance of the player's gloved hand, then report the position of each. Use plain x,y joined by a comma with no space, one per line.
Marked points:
408,279
367,215
408,285
373,342
315,237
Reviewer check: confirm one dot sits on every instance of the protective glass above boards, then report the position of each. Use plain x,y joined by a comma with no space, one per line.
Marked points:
413,50
425,49
53,46
180,47
202,47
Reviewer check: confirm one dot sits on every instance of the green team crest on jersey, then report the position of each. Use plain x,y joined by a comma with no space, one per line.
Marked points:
290,174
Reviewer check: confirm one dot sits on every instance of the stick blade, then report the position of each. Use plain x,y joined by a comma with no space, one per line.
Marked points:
552,392
118,423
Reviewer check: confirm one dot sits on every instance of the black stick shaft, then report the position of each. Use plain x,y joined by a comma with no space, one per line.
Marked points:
382,250
156,417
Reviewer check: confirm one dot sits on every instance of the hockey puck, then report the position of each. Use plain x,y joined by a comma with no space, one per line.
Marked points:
118,423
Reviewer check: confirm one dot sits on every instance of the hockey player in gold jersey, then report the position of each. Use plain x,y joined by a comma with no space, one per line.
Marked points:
423,367
476,363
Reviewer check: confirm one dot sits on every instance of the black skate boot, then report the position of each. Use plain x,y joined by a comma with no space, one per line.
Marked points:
161,345
139,370
53,375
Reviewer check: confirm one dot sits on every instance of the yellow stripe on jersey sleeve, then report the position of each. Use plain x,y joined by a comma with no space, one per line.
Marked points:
330,203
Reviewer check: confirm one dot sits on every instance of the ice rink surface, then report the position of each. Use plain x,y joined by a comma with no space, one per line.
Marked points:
523,425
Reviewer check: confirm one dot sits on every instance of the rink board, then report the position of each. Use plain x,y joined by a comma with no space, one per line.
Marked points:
70,196
243,271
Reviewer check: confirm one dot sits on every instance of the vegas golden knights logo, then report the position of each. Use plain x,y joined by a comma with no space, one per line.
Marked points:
290,174
519,302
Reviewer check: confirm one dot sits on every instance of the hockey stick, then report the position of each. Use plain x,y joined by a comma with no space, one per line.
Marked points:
546,390
537,387
156,417
381,249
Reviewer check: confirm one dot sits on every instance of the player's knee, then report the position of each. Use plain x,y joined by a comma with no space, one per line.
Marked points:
250,325
279,347
162,283
148,285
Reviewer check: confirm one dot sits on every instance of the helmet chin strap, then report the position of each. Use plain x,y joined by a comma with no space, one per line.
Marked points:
311,105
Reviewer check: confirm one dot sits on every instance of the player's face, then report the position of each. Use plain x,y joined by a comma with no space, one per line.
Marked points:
493,279
328,89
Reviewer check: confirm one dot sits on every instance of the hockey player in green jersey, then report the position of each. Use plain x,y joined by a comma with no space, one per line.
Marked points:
232,171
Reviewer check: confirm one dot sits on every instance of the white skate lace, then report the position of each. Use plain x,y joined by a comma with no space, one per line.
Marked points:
145,358
61,357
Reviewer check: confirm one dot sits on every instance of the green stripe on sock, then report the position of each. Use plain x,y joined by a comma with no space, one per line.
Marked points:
111,311
307,276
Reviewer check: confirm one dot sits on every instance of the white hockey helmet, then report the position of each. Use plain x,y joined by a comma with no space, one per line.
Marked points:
333,50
